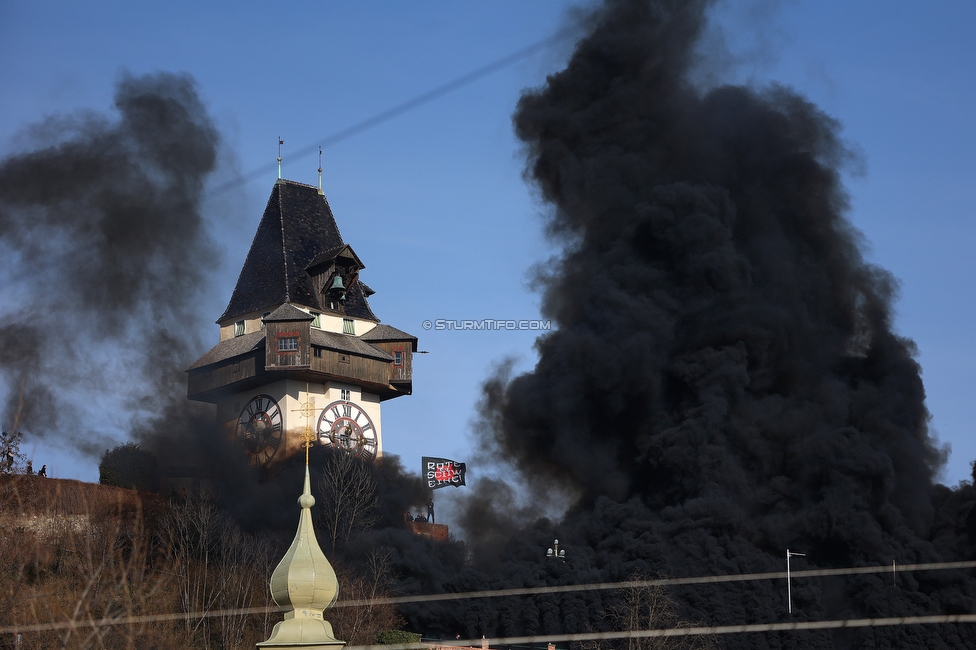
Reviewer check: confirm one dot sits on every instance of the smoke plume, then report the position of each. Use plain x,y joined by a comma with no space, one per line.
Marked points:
724,382
106,255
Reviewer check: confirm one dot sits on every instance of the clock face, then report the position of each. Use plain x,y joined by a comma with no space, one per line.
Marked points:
344,425
259,429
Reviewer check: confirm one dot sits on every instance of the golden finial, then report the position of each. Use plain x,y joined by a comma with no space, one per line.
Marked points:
307,438
307,409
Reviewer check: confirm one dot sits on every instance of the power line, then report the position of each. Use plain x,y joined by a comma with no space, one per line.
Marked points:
496,593
660,582
794,626
401,108
797,626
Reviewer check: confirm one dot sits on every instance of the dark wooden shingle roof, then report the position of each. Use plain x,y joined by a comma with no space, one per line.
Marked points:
387,333
241,345
348,343
287,313
237,346
297,226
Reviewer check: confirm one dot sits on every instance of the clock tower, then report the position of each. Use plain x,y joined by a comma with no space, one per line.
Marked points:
299,345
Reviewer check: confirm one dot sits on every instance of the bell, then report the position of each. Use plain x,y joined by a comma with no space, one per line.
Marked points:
337,284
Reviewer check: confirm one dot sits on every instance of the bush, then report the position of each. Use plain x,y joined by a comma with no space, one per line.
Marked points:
130,466
391,637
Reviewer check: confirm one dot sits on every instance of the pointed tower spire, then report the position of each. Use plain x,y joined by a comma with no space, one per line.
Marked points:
303,586
320,172
280,142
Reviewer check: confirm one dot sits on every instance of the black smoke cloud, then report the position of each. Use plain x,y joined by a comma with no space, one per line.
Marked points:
724,382
106,258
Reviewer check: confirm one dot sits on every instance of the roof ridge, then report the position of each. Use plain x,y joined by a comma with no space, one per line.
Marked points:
328,208
247,258
284,249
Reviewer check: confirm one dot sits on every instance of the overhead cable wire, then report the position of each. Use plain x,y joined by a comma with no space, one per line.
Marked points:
663,582
796,626
791,626
497,593
401,108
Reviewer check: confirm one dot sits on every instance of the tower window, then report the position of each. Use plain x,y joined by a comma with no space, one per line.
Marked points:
239,328
316,319
348,326
398,358
344,394
317,352
288,344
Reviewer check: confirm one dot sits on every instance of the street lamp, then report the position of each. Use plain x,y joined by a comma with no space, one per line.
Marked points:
554,551
789,590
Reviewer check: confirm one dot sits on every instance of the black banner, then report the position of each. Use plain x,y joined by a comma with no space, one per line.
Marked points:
441,472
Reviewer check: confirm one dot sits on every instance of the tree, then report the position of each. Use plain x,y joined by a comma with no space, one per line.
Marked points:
216,566
10,457
349,500
364,623
647,608
130,466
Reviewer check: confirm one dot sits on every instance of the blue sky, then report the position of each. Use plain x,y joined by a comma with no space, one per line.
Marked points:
434,202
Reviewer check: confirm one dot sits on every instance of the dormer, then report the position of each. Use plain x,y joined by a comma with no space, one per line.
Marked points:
287,338
335,274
